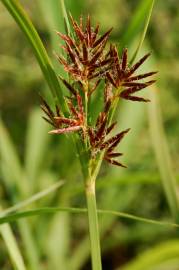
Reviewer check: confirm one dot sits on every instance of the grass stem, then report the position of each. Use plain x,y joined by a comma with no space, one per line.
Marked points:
93,226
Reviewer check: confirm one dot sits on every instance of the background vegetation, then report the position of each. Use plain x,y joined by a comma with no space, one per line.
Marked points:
32,161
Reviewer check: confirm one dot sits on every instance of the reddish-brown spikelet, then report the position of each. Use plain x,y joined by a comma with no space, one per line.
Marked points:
111,127
114,162
49,113
111,143
101,132
86,51
99,142
121,75
75,122
124,59
65,130
69,86
138,64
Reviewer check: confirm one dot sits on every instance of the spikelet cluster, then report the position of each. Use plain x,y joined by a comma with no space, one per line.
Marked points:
88,61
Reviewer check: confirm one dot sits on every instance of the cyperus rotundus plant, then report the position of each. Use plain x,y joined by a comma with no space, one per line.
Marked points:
88,61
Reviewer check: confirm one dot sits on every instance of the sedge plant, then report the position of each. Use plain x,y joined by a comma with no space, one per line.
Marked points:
91,63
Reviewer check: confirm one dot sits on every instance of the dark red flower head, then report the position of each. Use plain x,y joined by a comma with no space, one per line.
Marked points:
122,75
88,62
86,55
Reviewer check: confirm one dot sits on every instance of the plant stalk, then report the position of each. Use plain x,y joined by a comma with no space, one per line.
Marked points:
91,203
93,225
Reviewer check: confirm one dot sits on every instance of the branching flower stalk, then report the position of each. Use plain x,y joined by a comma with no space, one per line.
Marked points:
89,60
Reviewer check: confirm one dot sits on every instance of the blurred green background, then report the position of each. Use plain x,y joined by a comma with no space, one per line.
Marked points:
31,160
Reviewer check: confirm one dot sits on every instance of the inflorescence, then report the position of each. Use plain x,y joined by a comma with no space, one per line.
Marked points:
88,62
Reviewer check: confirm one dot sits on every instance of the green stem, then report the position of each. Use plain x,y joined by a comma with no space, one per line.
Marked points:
86,107
91,200
90,180
114,104
86,113
93,225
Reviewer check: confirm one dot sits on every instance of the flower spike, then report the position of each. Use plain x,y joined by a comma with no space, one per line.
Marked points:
87,63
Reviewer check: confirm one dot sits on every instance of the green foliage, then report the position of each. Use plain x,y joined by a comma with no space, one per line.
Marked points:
34,40
162,256
52,231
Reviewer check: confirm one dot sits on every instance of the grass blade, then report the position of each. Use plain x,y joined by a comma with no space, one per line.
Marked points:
12,171
162,153
144,32
65,16
37,138
10,159
54,22
73,210
32,199
136,22
152,259
21,18
31,250
58,240
12,247
137,218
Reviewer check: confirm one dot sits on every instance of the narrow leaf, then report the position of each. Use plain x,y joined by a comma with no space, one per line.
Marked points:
144,32
32,199
162,153
36,145
10,159
51,210
12,247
